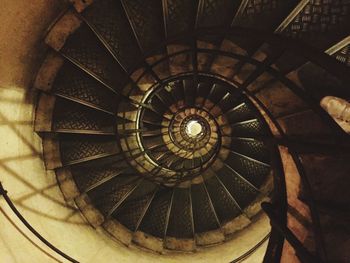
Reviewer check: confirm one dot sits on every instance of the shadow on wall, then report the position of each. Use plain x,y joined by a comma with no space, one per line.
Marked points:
30,186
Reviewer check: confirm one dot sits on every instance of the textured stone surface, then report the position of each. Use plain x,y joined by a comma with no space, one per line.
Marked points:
62,29
48,71
43,116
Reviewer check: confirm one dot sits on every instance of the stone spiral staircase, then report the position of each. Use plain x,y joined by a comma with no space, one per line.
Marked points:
158,116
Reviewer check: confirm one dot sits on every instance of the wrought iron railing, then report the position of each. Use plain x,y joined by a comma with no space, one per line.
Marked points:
295,145
338,143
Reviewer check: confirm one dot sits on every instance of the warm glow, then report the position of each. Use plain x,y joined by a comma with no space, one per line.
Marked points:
193,128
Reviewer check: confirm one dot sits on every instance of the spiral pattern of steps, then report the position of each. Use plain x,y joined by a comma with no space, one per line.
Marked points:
160,150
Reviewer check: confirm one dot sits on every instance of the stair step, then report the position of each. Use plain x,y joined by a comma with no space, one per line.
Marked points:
82,148
177,91
266,16
254,171
70,117
203,90
190,90
203,214
91,176
71,83
248,128
135,205
216,14
319,38
180,232
240,189
251,148
240,112
152,116
91,56
225,207
109,20
216,93
155,220
112,193
180,221
146,19
179,16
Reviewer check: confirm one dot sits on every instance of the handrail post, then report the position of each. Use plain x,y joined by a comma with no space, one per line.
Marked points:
302,253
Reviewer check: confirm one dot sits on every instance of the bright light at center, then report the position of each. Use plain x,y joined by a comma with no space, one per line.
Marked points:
193,128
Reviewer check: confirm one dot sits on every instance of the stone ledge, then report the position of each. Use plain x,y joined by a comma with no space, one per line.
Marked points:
236,224
63,28
44,112
91,214
148,241
51,151
48,71
186,245
209,238
118,231
67,183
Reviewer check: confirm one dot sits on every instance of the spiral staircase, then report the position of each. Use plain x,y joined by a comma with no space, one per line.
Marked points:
164,119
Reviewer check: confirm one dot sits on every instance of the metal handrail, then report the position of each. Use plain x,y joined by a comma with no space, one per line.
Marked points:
305,50
292,145
309,53
252,250
8,200
3,192
296,46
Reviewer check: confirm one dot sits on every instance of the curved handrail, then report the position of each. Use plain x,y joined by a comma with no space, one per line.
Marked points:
252,250
284,141
303,49
8,200
3,192
310,53
306,51
323,60
296,46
